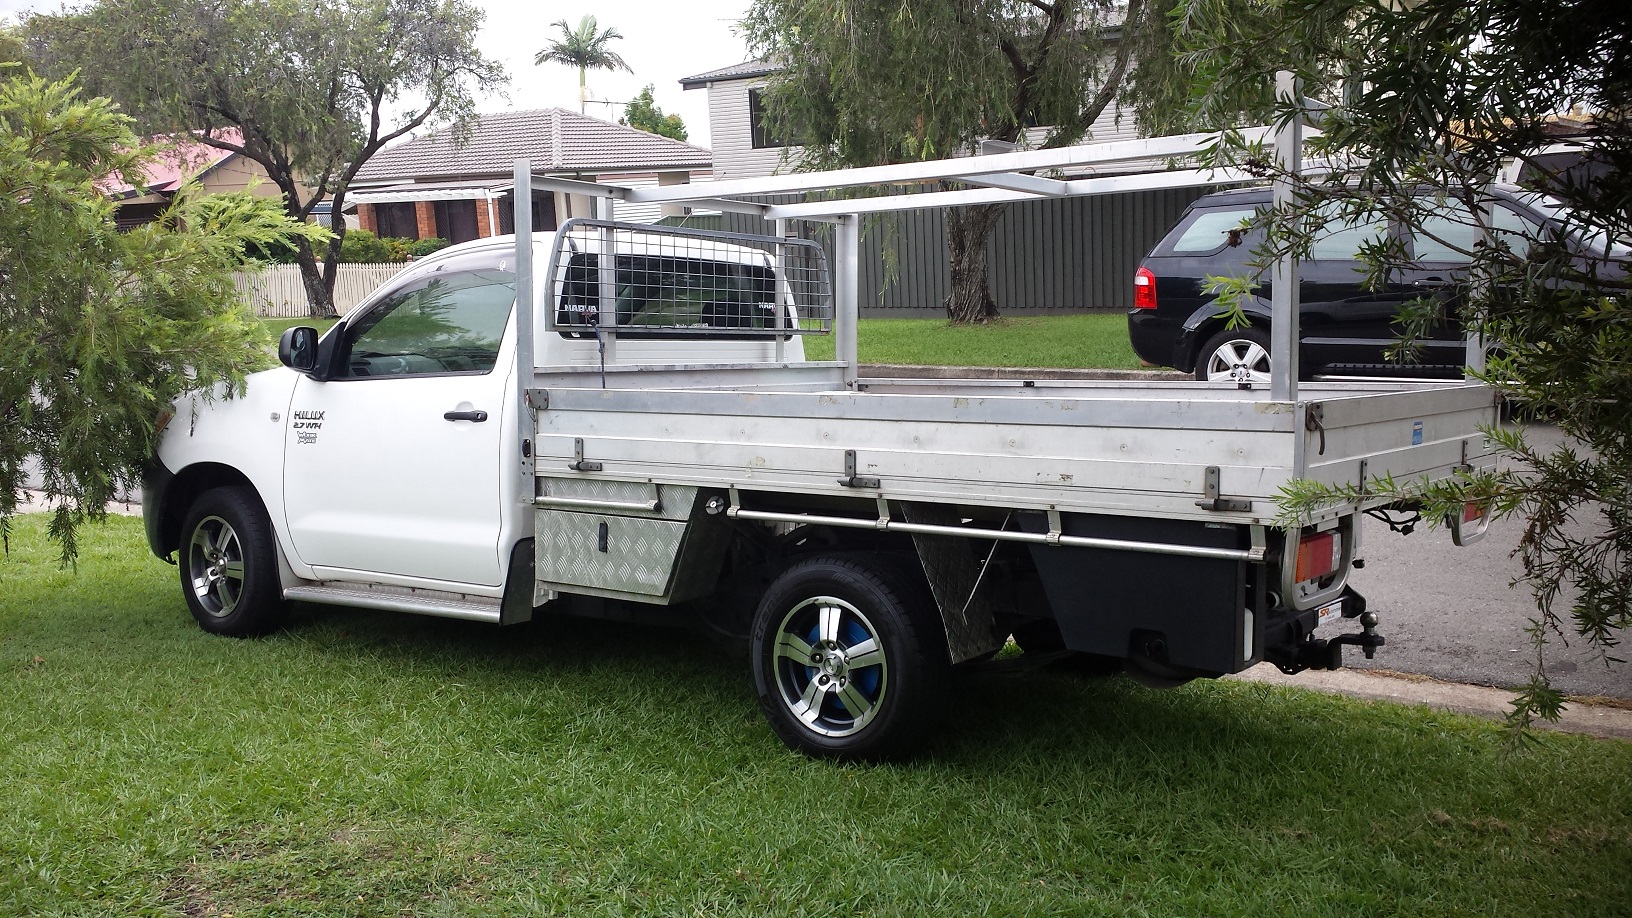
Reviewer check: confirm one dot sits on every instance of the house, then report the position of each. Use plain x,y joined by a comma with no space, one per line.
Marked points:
183,158
1053,256
457,186
745,147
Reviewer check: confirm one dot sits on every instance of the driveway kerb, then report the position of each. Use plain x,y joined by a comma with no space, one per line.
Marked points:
1480,700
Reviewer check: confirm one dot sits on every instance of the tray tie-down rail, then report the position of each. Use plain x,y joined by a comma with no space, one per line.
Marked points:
884,522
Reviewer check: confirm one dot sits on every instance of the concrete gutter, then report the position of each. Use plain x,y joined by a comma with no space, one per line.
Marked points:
1580,715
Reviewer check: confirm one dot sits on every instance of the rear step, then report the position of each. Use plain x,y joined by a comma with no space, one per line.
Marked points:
399,599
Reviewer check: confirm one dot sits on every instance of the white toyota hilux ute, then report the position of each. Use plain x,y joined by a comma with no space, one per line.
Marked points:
643,437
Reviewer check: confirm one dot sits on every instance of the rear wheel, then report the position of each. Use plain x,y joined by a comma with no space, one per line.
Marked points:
848,661
229,564
1239,355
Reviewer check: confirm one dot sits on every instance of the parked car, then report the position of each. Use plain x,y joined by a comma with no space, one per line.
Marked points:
1345,327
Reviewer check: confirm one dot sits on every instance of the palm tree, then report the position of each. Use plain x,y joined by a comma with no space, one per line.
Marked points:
584,48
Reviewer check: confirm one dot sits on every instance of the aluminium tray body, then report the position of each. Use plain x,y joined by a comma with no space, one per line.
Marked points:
1141,449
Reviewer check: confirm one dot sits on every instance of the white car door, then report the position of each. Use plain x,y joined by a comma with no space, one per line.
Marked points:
392,466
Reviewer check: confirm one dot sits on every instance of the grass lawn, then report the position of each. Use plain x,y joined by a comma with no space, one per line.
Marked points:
371,764
1098,341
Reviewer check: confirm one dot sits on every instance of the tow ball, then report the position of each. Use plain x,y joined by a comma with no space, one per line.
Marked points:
1368,640
1321,653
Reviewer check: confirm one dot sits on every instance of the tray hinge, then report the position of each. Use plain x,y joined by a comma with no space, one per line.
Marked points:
1212,500
579,463
851,479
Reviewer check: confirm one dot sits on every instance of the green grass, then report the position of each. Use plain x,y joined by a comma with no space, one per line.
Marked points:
372,764
277,326
1098,340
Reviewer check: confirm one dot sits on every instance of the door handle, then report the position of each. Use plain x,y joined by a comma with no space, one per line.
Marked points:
477,416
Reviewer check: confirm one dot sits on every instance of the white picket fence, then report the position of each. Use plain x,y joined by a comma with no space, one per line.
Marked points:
278,292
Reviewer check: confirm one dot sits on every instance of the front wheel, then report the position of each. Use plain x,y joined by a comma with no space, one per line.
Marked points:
229,564
1238,355
849,659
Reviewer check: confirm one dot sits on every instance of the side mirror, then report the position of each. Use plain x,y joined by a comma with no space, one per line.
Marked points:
297,350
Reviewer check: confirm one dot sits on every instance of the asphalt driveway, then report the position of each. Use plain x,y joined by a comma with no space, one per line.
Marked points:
1451,613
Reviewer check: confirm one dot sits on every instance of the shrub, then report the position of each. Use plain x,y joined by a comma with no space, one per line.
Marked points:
396,247
422,247
363,247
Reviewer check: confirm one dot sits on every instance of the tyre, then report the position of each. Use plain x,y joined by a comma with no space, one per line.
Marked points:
849,661
1239,355
229,564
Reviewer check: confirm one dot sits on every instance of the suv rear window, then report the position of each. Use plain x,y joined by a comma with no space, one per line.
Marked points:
1209,230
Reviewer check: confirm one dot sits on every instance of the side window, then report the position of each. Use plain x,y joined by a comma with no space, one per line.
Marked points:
1450,234
1343,239
1211,230
1447,235
1514,230
450,323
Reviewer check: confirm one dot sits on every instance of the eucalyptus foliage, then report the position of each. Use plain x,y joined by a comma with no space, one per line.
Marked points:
869,82
1433,98
101,330
310,85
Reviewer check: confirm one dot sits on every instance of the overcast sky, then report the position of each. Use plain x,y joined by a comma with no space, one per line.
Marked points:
663,40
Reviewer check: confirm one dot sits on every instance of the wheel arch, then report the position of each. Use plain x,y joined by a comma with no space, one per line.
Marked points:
1206,322
184,489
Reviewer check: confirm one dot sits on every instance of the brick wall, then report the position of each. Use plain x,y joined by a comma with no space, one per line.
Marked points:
425,216
366,220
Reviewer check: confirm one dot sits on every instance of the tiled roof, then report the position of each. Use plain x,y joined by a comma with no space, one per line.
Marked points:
742,71
554,139
180,157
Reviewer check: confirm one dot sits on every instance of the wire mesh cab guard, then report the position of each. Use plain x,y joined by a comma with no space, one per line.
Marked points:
677,282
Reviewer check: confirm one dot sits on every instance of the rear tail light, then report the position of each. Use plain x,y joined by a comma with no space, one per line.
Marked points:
1470,525
1319,554
1144,289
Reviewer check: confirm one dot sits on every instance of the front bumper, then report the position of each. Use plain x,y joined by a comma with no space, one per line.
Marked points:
156,480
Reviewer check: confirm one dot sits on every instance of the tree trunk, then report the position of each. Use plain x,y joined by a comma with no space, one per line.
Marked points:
319,282
967,230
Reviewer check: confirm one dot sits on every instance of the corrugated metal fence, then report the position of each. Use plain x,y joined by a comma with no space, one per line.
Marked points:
1054,256
278,292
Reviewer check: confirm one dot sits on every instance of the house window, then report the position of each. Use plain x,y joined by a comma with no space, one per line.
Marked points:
543,213
396,220
456,220
764,137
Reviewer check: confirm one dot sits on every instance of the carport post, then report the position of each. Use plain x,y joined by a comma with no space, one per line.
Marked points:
1283,297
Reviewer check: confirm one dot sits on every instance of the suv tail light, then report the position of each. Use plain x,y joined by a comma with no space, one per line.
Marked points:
1144,289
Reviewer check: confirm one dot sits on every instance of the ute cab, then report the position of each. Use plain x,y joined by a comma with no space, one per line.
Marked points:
381,454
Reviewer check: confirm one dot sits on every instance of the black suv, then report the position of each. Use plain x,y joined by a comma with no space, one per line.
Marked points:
1344,327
